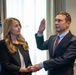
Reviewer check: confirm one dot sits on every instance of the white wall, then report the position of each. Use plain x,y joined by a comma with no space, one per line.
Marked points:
70,7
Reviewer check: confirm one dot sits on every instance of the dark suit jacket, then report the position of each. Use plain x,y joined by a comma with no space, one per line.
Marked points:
0,68
62,61
11,61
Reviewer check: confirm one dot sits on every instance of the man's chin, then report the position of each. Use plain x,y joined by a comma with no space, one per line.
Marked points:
58,30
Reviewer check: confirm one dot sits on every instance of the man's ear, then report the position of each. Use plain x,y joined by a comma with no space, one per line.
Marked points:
68,23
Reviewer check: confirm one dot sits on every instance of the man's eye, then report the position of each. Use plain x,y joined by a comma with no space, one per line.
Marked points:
16,25
58,20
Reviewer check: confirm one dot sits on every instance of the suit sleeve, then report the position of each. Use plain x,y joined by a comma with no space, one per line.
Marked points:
40,43
61,59
67,58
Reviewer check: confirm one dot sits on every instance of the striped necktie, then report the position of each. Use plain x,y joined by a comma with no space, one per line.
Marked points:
56,43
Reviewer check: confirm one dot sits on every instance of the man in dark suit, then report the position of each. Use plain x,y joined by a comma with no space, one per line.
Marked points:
61,59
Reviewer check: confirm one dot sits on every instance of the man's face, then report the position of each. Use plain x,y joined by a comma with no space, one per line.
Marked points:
60,23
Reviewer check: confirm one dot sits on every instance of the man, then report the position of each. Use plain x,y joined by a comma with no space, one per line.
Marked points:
62,57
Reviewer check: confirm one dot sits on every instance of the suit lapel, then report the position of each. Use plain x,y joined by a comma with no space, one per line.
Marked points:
63,41
16,57
51,43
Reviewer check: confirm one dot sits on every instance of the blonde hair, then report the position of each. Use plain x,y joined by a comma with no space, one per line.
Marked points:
7,27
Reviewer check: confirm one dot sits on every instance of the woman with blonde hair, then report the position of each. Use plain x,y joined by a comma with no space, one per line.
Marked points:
14,52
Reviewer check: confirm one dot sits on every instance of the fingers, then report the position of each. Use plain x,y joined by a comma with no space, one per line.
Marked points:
43,22
42,26
25,69
33,68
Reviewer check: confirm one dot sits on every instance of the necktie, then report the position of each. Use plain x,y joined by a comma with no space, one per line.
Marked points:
56,43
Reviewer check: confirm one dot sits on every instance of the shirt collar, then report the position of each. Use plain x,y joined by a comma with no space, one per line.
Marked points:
62,35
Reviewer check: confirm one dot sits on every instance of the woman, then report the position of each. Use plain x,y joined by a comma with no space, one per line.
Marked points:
14,52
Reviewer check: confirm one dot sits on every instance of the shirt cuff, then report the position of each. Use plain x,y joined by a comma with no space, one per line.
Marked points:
41,65
39,35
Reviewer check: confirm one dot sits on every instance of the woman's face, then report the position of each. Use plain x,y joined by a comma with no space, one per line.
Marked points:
15,30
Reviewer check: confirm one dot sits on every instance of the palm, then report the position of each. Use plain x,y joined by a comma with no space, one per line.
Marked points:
42,26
